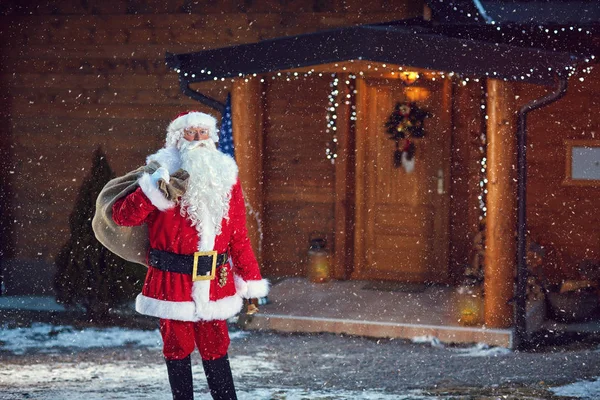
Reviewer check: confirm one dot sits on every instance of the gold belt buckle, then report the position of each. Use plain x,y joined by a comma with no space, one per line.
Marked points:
195,276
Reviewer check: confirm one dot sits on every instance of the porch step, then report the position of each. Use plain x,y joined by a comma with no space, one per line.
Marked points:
354,308
447,334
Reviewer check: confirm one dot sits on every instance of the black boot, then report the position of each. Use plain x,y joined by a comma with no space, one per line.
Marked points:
218,376
180,378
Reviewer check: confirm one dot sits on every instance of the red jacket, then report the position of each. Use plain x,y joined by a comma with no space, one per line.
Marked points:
173,295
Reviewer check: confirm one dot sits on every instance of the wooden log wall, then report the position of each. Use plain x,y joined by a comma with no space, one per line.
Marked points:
565,219
299,181
78,74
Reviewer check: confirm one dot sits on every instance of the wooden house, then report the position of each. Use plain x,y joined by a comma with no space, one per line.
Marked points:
81,74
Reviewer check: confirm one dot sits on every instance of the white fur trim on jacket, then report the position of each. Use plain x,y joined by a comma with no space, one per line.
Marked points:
177,310
169,157
201,289
251,289
154,195
188,310
221,309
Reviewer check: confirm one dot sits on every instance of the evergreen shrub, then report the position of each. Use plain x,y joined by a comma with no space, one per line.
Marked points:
88,274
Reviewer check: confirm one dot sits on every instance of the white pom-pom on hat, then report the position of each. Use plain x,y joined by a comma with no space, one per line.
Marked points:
188,120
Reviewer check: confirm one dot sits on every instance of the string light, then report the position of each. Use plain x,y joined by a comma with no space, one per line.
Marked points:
352,98
332,106
331,118
394,71
482,147
295,75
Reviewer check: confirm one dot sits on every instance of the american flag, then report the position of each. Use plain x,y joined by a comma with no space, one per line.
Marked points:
226,133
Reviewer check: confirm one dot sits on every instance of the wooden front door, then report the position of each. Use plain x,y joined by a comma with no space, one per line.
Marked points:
401,230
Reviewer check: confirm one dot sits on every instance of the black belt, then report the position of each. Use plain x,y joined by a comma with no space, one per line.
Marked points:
201,265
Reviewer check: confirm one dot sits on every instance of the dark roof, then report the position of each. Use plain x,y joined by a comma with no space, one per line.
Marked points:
579,41
459,11
481,50
564,12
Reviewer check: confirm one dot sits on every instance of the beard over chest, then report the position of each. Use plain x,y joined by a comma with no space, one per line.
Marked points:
206,200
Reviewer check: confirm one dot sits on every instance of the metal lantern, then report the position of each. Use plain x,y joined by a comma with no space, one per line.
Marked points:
469,304
318,260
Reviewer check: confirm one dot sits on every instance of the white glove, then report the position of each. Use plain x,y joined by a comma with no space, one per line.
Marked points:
161,173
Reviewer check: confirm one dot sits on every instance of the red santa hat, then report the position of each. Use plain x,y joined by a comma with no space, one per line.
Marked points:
190,119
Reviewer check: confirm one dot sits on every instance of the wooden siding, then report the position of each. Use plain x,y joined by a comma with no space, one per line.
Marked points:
566,219
299,180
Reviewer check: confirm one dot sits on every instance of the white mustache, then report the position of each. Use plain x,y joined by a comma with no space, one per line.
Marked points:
186,145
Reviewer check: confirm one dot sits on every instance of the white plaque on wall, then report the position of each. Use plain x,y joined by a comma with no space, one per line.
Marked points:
583,162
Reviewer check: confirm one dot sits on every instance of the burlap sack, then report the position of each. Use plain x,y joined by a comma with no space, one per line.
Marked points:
130,242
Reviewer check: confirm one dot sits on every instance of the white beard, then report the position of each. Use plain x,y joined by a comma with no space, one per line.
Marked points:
206,200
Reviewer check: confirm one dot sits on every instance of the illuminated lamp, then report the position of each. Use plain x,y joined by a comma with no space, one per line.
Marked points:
409,77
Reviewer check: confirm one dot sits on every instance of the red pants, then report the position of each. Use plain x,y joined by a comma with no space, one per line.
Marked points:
180,338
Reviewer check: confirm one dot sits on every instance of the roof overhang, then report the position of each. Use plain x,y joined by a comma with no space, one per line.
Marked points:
565,12
408,43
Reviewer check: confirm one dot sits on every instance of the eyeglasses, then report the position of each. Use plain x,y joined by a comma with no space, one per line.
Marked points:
196,131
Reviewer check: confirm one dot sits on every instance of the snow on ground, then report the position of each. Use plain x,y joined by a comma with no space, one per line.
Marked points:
128,380
432,340
36,303
479,350
581,389
46,338
110,381
482,350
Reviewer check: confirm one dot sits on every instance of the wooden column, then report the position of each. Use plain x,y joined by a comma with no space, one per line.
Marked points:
361,163
247,116
501,221
466,131
344,183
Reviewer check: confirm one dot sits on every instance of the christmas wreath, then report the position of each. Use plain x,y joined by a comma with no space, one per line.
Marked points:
405,123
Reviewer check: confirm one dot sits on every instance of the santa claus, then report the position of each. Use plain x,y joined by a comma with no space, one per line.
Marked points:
200,262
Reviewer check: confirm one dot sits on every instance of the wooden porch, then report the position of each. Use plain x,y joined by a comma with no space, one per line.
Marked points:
350,307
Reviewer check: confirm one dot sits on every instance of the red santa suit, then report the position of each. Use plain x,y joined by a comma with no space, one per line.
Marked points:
194,312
